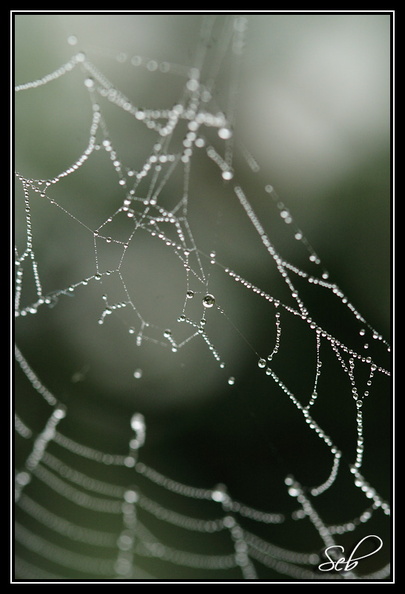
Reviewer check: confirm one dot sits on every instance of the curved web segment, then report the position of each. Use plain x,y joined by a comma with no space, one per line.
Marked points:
120,517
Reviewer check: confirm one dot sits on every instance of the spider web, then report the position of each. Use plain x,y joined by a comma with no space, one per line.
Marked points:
195,398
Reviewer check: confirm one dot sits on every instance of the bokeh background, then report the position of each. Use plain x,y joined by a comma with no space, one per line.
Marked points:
314,109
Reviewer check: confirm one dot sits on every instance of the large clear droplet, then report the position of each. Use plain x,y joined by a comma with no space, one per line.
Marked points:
225,133
138,422
209,301
219,493
89,82
227,174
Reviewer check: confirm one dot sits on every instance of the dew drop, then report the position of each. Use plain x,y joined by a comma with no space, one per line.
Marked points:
138,373
138,422
208,301
131,496
225,133
190,294
72,40
262,363
23,478
219,493
89,83
227,174
293,492
121,57
136,60
231,381
59,413
192,84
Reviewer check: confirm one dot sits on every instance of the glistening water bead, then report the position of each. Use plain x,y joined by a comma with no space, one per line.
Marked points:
225,133
208,301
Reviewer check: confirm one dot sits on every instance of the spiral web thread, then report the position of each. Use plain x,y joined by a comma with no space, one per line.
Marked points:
62,466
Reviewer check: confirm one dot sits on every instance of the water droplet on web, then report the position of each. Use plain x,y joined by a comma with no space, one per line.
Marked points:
262,363
293,492
72,40
136,60
231,381
131,496
138,422
23,478
227,175
167,333
208,301
192,84
121,57
89,82
190,294
225,133
138,373
219,493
